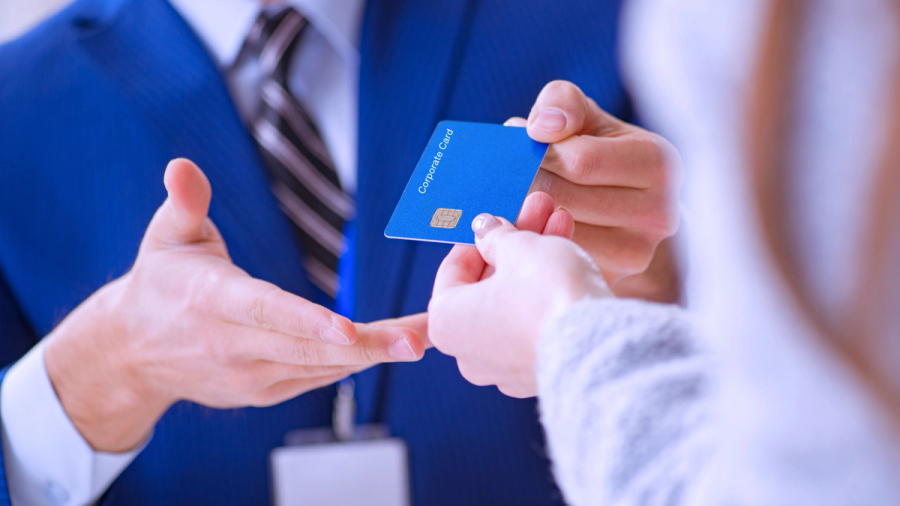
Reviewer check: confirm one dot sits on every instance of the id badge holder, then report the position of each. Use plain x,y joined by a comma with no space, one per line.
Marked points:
346,465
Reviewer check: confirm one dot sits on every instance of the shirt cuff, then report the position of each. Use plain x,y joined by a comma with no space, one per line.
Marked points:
47,460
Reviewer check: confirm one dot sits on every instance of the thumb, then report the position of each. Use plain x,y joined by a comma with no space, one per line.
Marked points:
182,217
563,110
495,237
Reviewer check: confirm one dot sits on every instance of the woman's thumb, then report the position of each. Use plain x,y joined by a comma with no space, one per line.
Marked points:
490,233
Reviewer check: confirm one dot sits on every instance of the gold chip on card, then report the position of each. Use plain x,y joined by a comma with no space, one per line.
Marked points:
446,218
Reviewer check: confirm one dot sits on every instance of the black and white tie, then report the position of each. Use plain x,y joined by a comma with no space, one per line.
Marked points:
301,170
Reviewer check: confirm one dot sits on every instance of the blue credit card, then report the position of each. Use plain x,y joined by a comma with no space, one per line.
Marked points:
466,169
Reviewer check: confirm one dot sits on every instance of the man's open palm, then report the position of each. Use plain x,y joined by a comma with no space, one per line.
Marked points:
186,323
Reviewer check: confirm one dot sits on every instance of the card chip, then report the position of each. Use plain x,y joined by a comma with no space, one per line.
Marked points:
446,218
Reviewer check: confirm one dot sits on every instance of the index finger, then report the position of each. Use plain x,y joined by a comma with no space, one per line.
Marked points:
462,266
377,343
637,159
257,304
536,210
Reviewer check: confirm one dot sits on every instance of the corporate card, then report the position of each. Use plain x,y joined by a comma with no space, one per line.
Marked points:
466,169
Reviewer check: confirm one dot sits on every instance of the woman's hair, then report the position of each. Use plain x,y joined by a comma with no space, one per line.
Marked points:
857,340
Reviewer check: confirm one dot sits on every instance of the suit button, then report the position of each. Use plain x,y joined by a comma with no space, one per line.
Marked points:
56,493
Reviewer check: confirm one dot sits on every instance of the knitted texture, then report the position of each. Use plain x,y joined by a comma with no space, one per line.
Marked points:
624,397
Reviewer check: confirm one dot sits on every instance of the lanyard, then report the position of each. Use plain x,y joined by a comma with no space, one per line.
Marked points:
344,415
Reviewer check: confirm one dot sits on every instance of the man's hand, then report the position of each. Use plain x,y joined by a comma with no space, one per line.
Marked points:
186,323
620,182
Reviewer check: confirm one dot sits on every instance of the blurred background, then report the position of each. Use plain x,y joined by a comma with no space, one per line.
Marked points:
17,16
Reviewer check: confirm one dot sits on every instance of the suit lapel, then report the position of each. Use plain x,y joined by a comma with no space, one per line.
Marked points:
410,53
150,55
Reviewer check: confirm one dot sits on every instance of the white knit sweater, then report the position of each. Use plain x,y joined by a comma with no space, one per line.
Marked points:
625,396
740,402
630,399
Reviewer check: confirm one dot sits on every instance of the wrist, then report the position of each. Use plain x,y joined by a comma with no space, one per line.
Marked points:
661,282
588,284
570,291
87,362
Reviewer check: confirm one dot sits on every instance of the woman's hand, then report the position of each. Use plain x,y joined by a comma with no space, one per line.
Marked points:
492,323
621,184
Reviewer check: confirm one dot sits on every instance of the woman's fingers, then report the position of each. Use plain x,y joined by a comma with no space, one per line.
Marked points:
462,266
497,239
536,210
638,160
561,223
646,211
465,265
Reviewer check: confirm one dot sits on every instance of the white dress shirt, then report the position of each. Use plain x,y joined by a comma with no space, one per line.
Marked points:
47,461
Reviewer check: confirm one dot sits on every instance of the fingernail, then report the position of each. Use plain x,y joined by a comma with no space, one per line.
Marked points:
334,336
561,208
550,120
484,223
401,350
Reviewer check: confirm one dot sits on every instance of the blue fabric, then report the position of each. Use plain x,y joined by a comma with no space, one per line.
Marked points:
98,99
347,270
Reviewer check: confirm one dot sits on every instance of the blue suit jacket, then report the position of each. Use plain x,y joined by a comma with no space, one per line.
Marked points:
99,98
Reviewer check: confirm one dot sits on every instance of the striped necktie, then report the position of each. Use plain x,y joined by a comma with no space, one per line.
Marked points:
300,168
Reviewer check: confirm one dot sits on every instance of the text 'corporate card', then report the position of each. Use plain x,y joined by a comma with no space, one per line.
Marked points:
466,169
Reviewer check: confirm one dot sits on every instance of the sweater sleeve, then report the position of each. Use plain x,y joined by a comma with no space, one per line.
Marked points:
624,390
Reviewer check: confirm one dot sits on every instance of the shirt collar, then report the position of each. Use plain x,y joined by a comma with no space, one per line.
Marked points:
223,25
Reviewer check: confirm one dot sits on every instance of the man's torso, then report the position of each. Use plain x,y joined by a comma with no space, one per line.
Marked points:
105,94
